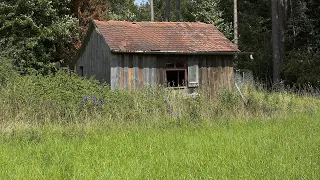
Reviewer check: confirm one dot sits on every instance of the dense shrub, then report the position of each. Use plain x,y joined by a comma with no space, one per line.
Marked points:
37,34
64,97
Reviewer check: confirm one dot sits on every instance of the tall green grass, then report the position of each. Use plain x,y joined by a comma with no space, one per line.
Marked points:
263,148
66,98
64,127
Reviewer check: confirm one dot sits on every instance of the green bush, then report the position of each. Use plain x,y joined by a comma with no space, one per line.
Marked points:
6,71
37,34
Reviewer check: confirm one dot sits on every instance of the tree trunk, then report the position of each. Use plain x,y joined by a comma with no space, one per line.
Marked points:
276,41
76,8
282,25
279,15
167,16
178,10
151,10
235,23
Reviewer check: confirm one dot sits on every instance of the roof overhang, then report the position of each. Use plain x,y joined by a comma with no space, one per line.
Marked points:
179,53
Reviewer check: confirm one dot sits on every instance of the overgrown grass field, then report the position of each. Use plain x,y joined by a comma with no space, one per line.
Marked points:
63,127
287,148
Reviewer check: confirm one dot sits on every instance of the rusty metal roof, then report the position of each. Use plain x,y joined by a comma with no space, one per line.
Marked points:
180,37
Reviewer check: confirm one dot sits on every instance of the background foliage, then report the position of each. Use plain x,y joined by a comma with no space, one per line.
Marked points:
39,34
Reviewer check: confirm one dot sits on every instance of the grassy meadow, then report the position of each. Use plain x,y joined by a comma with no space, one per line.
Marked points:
64,127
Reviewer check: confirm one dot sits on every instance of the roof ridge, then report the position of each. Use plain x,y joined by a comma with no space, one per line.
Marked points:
152,22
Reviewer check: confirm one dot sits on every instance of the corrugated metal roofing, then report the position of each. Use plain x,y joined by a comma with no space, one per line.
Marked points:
182,37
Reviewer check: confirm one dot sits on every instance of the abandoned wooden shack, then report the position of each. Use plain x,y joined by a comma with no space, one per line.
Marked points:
131,55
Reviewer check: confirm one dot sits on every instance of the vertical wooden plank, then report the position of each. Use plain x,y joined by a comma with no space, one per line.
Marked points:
161,70
89,54
88,63
218,72
213,74
105,67
130,72
232,76
225,72
150,61
204,72
208,72
200,70
222,74
113,73
104,60
118,71
156,72
95,58
108,68
125,70
97,62
145,70
121,67
135,65
108,64
152,70
231,73
94,50
140,72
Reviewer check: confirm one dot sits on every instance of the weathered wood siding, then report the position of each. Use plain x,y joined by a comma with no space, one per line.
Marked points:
216,72
95,58
134,71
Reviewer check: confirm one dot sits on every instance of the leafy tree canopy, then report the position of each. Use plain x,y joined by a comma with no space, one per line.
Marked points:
37,34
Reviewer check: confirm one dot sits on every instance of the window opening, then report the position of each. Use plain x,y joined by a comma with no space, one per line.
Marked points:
81,70
176,74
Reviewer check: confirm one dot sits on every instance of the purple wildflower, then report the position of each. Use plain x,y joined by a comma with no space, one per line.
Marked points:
86,97
101,100
94,99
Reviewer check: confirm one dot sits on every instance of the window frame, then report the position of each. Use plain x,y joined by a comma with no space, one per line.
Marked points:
177,69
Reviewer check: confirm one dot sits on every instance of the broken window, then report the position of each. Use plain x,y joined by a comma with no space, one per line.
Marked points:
176,74
182,74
